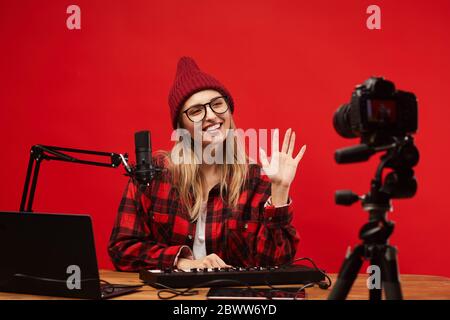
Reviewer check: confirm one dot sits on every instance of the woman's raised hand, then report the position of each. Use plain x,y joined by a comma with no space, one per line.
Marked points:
282,166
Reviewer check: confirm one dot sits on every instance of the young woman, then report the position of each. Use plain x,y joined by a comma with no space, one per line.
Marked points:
199,214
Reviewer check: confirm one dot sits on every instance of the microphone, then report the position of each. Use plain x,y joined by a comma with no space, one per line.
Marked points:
144,170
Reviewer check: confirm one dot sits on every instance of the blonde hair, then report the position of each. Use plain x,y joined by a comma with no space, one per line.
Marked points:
188,179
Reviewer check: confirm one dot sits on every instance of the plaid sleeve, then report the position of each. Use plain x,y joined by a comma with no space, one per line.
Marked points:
131,245
277,239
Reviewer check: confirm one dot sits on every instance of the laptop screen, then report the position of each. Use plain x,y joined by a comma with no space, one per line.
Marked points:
48,254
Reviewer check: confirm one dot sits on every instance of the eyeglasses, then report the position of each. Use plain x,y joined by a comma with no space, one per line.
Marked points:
197,112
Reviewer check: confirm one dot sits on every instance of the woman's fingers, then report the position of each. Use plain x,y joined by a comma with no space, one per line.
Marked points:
206,264
291,144
263,157
287,137
275,142
287,148
300,154
215,264
214,261
222,263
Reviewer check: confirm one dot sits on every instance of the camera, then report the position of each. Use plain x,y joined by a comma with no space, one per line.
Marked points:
385,119
377,113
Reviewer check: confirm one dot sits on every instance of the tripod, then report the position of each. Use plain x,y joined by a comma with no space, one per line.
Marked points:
375,248
400,183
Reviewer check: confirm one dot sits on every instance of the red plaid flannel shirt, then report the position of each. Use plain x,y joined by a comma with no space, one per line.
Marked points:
152,227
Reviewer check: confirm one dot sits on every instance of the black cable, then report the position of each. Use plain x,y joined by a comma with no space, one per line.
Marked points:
321,284
107,288
190,292
110,288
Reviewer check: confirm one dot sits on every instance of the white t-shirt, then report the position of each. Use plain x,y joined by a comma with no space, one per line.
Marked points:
199,247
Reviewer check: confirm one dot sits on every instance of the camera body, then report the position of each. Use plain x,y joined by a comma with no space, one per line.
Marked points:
377,112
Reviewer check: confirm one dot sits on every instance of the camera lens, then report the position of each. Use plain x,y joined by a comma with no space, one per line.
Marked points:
341,122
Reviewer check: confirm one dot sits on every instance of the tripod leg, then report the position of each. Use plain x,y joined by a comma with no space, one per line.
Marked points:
390,275
375,293
347,275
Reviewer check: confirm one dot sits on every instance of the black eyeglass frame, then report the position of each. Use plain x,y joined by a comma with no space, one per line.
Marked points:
208,104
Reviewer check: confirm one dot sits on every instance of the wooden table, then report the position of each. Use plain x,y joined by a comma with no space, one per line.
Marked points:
414,287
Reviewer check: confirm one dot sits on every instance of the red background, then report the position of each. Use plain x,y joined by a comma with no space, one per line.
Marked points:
287,64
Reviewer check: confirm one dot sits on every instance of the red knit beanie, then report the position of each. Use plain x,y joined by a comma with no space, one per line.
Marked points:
189,80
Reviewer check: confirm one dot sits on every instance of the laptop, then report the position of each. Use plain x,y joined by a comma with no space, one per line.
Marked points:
52,255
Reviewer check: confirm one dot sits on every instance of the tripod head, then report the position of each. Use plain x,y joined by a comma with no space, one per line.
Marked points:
400,156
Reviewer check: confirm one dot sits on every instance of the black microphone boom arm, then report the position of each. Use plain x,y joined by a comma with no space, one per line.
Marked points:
40,152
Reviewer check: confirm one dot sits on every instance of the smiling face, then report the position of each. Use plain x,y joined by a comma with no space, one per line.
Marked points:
214,124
